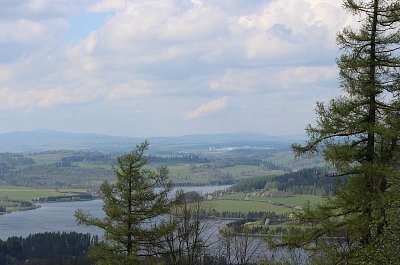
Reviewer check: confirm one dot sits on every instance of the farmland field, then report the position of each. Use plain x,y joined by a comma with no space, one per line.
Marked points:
237,203
296,200
28,194
246,206
240,171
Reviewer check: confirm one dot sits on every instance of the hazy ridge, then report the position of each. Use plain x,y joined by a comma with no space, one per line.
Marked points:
42,140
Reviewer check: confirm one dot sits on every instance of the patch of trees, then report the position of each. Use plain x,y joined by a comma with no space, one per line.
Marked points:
47,248
305,181
233,161
63,198
273,217
268,164
313,181
95,158
251,184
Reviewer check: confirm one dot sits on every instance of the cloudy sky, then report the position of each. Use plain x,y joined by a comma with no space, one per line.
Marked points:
167,67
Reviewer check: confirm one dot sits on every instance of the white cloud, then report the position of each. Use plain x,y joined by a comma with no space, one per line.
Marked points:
196,24
107,6
240,81
167,54
126,90
28,99
207,108
306,75
285,30
30,32
40,9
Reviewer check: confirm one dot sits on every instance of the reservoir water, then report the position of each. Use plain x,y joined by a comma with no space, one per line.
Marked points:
59,216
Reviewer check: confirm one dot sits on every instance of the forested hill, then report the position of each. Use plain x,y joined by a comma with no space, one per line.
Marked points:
314,181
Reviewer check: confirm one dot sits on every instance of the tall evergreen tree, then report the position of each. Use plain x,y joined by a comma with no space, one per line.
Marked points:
132,207
358,133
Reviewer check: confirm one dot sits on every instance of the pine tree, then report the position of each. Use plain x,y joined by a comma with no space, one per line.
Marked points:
358,133
133,208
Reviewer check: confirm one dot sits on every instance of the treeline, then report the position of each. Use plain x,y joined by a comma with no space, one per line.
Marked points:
251,184
47,249
235,161
178,159
263,217
95,158
65,198
306,181
313,181
268,164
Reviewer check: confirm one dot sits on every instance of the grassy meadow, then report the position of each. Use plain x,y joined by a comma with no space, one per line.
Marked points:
246,206
236,202
28,194
296,200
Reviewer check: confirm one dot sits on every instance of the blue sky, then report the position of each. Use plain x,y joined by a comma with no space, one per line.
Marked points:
167,67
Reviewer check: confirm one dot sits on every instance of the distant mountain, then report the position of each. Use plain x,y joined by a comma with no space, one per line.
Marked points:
43,140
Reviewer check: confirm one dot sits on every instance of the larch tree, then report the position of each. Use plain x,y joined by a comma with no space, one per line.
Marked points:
133,207
358,134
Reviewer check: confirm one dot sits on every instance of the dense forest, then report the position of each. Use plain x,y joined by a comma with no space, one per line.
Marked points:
313,181
47,249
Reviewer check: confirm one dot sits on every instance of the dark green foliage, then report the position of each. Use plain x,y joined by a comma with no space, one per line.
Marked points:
267,164
313,181
307,181
193,196
250,184
358,133
132,207
64,198
47,248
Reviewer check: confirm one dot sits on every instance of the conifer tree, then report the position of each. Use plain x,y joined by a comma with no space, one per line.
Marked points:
133,208
358,133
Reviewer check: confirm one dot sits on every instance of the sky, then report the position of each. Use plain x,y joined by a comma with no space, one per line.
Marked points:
167,67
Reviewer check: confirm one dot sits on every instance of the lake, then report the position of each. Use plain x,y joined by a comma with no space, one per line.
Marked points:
59,216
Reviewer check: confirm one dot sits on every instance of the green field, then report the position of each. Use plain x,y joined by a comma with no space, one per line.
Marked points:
236,203
240,171
246,206
181,170
201,174
28,194
296,200
299,200
47,158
